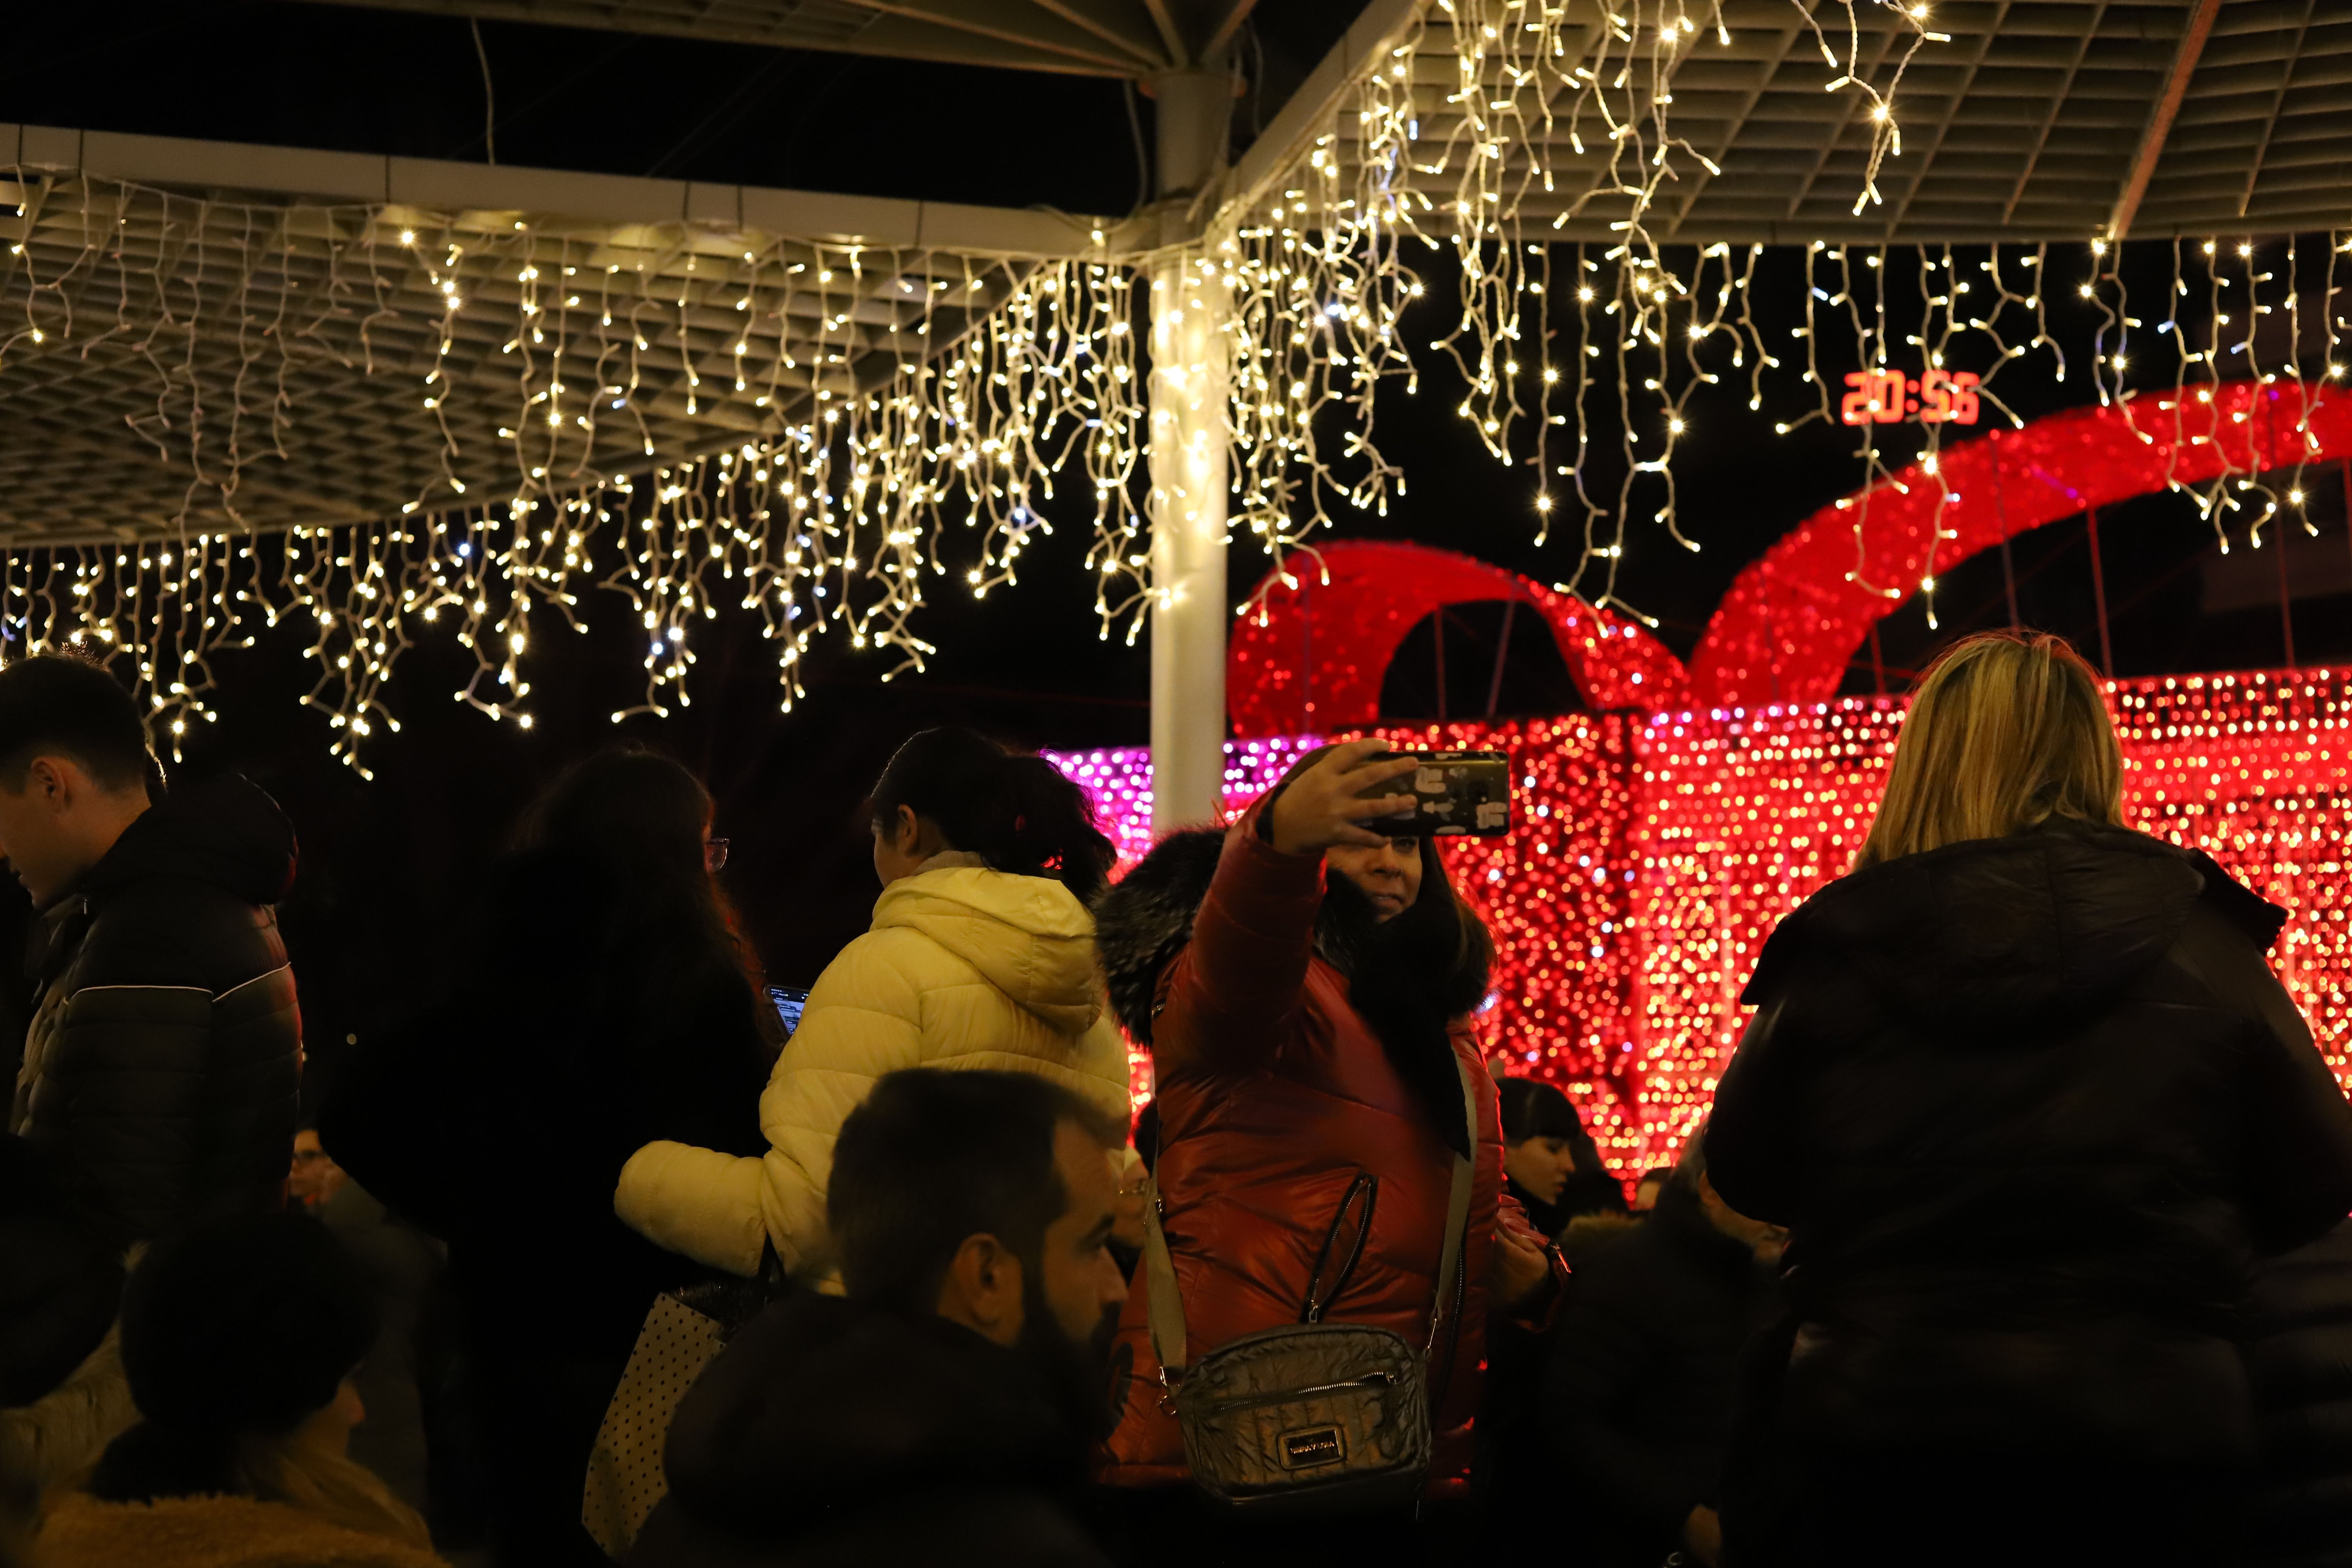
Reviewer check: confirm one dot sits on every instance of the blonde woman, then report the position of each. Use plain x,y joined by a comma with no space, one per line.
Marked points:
239,1338
982,955
2029,1101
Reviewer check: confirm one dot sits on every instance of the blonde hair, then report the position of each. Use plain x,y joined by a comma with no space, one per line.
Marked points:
303,1468
301,1471
2006,729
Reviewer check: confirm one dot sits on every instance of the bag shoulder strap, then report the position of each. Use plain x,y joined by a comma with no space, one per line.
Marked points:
1165,1302
1457,1209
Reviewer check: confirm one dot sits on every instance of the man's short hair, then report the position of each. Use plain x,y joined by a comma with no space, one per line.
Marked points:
56,706
936,1156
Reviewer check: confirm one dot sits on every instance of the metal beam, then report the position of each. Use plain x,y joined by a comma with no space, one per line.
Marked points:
887,35
1116,22
2159,120
1222,34
1311,110
442,186
1085,45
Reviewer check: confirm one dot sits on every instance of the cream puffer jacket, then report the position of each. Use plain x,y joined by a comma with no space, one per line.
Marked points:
965,967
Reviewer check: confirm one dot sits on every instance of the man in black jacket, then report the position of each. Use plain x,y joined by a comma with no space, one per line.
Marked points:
1639,1381
941,1412
162,1067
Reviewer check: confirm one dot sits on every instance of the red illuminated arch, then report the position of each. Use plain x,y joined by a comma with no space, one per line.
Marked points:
1344,623
1794,620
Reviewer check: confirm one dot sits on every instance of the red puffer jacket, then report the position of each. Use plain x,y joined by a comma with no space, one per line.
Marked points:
1274,1095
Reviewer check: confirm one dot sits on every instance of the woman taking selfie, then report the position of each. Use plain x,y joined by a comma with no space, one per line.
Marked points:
1305,986
982,955
2029,1102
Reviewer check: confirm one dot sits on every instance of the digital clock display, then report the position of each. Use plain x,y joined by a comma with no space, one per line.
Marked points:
1890,398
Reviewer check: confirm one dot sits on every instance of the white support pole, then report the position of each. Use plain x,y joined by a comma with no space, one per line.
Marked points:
1192,369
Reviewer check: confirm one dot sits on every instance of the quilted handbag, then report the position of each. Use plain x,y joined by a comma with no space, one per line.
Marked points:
1313,1418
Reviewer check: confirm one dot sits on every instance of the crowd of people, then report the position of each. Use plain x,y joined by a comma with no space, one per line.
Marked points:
2016,1232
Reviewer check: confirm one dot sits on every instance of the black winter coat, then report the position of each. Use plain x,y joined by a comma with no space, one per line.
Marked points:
584,1025
2029,1107
59,1284
835,1433
163,1063
2299,1357
499,1122
1639,1378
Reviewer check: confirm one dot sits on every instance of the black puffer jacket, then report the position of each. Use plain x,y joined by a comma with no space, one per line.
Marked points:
164,1060
1639,1379
2029,1106
832,1433
2299,1355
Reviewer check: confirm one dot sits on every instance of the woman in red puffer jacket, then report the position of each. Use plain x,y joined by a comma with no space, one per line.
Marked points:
1305,986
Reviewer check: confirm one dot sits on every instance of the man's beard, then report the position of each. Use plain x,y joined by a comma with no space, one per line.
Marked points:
1074,1373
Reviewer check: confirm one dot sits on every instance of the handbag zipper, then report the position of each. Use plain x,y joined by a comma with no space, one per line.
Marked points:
1288,1396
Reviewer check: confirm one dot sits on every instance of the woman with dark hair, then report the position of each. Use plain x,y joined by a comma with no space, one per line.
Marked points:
2029,1102
982,955
1306,985
604,1001
240,1338
1551,1163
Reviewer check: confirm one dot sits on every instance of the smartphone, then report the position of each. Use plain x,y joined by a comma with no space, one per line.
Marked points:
1455,793
789,1003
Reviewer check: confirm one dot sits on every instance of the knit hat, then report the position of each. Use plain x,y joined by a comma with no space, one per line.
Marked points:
244,1324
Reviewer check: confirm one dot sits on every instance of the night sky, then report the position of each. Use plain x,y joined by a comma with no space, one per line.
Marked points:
387,866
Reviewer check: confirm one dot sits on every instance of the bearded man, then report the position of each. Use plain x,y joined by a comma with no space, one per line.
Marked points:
941,1411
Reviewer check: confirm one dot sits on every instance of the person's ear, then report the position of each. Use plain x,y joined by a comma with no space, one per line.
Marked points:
46,781
982,1289
906,832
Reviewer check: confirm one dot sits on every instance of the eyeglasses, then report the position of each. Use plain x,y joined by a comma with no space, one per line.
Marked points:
714,854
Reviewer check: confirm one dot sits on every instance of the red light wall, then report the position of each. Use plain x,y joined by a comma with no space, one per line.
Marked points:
1652,854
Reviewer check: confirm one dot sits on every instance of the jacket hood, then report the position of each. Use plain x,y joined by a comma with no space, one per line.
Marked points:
821,1407
2005,938
1028,936
225,832
1146,919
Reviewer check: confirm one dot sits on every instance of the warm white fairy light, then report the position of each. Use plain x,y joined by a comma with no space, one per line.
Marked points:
862,425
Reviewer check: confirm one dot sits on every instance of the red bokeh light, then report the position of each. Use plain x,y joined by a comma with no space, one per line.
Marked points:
1652,855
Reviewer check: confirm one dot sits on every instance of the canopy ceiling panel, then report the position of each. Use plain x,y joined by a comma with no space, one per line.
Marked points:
2033,121
189,358
2027,125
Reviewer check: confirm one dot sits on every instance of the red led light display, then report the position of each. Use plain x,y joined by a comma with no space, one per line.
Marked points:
1794,618
1311,653
1658,839
1890,398
1652,854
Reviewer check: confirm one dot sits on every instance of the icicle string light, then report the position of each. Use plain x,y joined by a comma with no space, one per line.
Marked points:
827,434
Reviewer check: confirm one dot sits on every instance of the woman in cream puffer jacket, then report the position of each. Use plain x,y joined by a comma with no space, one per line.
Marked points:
982,955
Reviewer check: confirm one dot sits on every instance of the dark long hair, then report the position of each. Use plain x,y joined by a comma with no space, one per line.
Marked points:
1411,976
1016,812
1537,1110
637,818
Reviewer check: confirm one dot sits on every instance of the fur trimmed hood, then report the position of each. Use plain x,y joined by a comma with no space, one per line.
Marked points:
1146,919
